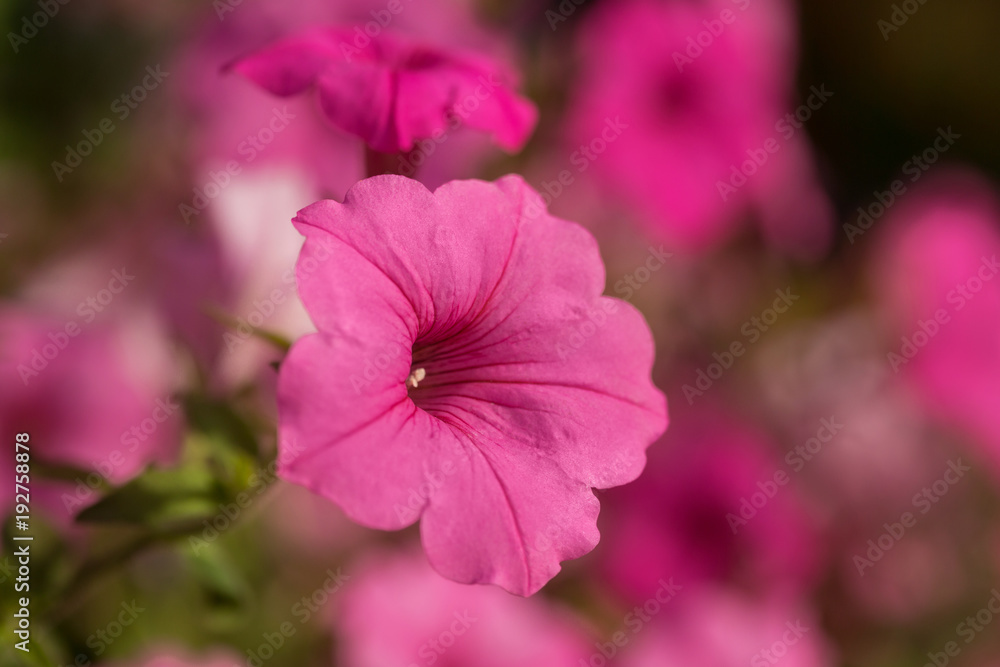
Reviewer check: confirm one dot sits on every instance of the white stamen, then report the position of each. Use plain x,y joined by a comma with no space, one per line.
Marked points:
416,377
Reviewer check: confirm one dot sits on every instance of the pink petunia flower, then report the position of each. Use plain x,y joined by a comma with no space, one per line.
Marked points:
715,628
234,120
113,427
467,371
681,112
691,514
397,611
391,92
937,274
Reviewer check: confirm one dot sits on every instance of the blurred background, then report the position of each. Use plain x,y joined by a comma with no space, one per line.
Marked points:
800,197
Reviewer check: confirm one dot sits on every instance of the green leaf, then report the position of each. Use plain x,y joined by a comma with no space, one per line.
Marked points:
217,418
158,498
68,473
41,646
218,576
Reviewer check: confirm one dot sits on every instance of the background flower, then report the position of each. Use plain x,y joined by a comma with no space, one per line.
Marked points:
391,92
935,274
455,624
695,96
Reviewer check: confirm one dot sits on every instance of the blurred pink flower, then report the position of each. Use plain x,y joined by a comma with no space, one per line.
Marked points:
113,427
468,371
668,122
399,612
712,628
391,92
708,508
936,275
236,126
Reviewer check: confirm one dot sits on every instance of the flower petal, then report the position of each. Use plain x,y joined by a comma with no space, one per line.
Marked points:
291,66
507,517
361,98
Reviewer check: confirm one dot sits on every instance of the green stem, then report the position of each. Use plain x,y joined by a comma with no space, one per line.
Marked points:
90,572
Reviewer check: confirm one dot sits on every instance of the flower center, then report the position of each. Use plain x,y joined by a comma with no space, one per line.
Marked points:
416,377
677,96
